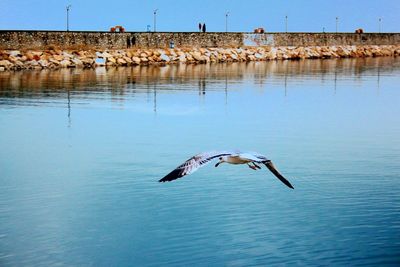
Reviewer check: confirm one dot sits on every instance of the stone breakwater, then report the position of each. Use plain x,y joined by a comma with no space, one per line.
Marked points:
56,58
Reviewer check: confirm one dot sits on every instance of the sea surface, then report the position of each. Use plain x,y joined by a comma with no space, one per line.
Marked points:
81,153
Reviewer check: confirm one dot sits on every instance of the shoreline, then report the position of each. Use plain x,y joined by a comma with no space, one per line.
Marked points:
54,58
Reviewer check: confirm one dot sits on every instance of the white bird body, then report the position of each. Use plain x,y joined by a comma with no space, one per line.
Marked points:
237,157
237,160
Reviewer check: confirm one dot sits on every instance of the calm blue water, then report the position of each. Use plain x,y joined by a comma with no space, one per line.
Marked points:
82,151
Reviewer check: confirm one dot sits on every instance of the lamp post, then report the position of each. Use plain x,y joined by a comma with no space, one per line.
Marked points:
155,19
380,21
337,21
68,8
226,21
285,23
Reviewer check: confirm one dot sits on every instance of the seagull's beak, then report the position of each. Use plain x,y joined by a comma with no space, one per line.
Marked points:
216,165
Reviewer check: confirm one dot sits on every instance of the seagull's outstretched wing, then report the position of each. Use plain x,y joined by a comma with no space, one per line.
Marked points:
193,164
268,163
272,168
253,156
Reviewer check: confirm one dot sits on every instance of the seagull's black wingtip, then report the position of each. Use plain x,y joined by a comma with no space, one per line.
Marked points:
175,174
272,168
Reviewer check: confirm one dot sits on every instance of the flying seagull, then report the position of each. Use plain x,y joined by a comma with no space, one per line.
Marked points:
249,158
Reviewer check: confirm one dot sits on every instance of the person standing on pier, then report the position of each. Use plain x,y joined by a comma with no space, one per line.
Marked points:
128,42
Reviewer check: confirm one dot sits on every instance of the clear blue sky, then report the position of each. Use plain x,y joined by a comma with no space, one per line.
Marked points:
184,15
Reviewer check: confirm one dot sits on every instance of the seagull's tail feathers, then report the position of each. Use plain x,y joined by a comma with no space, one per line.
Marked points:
273,169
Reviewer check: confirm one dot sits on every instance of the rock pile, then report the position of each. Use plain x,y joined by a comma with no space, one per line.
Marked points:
14,60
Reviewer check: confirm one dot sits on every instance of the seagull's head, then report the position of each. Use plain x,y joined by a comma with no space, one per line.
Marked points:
221,160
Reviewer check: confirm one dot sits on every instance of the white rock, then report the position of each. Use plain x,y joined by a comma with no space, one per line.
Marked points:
234,56
77,61
165,58
55,61
65,63
258,56
2,68
182,58
32,63
272,53
67,55
43,63
106,55
14,53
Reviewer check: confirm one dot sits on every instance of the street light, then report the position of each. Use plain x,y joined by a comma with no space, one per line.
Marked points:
226,21
337,21
68,8
155,19
380,20
286,23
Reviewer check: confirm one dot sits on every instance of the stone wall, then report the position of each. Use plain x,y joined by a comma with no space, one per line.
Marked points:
107,40
320,39
187,39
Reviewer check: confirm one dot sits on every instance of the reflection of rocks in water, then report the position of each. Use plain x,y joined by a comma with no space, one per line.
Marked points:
119,81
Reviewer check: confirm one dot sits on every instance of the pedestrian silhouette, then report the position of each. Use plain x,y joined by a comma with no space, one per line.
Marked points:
199,27
204,27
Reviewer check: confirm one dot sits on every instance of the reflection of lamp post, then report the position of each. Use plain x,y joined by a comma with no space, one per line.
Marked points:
286,23
69,108
380,20
337,20
155,19
68,8
226,21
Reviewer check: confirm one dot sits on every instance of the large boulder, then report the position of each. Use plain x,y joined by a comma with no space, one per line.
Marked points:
196,55
6,64
77,62
165,58
15,53
58,57
135,60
